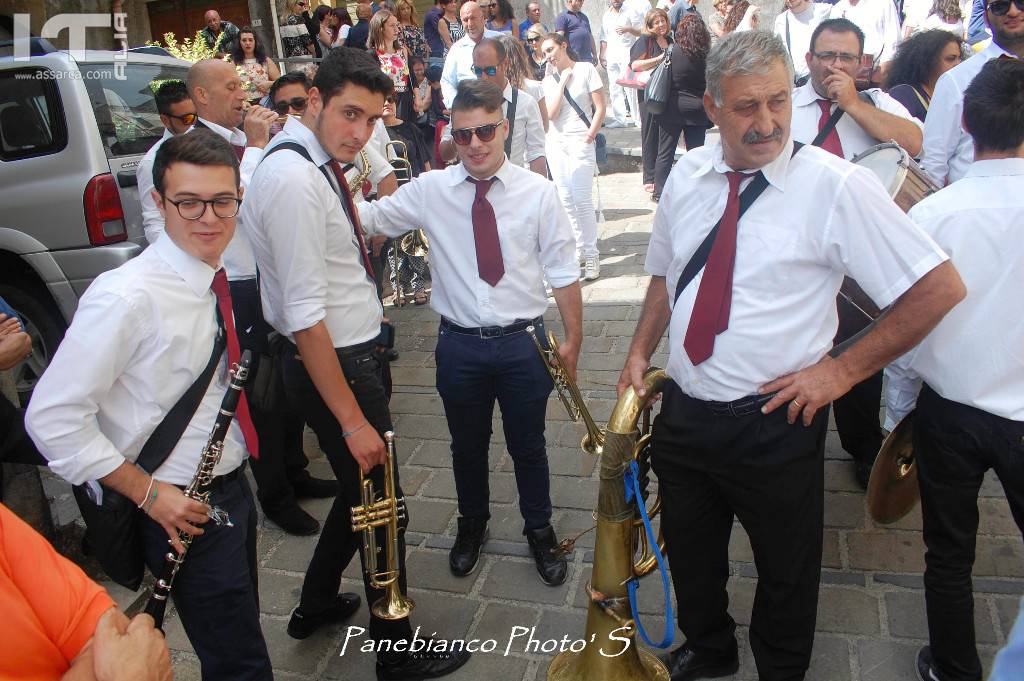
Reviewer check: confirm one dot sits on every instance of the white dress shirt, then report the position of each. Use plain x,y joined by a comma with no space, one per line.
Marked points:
878,20
311,267
533,230
975,356
238,260
855,140
796,29
527,133
141,335
617,51
819,219
947,148
458,65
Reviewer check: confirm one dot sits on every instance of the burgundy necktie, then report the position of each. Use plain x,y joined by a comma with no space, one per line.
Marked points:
489,263
353,215
831,143
710,315
239,151
223,292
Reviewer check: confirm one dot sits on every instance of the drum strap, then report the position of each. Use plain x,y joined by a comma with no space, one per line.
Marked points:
830,124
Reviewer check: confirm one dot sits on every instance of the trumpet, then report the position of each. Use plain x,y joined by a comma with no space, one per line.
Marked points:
569,392
386,512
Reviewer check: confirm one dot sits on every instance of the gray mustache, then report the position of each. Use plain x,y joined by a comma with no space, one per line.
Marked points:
753,137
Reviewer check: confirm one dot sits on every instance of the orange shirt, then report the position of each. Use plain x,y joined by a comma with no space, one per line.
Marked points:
48,607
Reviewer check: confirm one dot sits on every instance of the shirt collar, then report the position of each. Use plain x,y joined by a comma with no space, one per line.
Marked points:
297,131
775,172
167,135
805,94
996,167
459,173
993,50
196,273
234,135
507,92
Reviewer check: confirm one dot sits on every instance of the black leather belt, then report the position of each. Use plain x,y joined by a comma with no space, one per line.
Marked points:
744,406
490,331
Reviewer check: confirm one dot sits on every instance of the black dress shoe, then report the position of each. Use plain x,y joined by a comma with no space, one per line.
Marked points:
422,665
294,520
925,667
543,543
316,488
465,554
302,625
685,664
863,473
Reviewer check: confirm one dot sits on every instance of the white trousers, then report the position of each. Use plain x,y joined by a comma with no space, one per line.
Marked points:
573,165
621,96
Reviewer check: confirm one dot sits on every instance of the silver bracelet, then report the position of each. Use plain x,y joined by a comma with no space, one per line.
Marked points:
348,433
149,489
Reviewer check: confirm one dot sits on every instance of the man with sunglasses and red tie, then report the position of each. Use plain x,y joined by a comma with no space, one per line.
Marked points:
948,148
749,302
496,231
143,368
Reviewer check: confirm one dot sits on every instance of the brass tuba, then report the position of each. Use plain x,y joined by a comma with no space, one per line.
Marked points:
385,512
614,563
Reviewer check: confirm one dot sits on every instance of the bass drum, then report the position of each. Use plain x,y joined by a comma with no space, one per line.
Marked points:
902,177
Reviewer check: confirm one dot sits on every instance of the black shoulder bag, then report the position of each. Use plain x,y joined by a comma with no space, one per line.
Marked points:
510,116
111,527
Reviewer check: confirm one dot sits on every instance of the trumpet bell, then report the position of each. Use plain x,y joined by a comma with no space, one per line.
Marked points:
893,490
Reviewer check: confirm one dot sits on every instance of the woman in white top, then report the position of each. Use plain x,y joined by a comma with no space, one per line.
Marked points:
571,141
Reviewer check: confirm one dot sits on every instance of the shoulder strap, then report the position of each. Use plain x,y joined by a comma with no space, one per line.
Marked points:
510,115
700,256
301,151
576,107
165,437
834,119
789,47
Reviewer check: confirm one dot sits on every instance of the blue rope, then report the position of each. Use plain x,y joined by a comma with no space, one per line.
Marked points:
633,492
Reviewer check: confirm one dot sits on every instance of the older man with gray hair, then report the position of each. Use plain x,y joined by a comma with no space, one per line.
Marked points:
749,301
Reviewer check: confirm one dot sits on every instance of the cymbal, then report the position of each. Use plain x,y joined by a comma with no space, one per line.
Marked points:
892,490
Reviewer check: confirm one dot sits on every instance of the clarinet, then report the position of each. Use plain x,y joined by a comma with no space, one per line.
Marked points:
198,489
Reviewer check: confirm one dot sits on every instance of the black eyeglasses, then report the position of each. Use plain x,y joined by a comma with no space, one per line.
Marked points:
193,209
187,119
297,103
1001,7
464,136
842,57
491,71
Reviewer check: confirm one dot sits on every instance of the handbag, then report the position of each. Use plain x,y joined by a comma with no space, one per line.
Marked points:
112,523
633,79
659,86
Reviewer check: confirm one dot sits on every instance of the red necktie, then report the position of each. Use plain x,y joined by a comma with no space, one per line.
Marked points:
831,143
353,215
223,292
710,315
239,151
489,263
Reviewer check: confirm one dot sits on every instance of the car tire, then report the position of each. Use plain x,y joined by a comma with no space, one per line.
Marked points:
44,324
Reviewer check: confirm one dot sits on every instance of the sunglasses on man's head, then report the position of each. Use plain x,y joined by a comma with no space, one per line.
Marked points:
297,103
491,71
1001,7
187,119
464,136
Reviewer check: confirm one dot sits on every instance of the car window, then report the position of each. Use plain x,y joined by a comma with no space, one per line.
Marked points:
31,119
125,108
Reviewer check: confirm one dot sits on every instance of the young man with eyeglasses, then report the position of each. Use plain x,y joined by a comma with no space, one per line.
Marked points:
948,149
870,117
496,231
142,336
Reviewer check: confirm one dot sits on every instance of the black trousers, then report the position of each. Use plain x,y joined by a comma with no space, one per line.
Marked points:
668,141
768,474
856,412
216,592
648,139
282,463
473,373
954,445
338,543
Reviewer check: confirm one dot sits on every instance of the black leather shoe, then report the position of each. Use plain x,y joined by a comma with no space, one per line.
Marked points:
316,488
543,543
685,664
465,554
925,668
294,520
863,473
422,665
302,626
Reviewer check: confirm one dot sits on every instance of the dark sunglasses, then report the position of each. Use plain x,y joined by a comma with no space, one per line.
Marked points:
1001,7
491,71
297,103
464,136
532,40
187,119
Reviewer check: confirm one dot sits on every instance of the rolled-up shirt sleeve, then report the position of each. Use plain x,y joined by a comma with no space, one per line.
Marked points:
557,243
62,417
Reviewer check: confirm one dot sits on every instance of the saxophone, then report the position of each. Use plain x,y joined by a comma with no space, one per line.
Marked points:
198,489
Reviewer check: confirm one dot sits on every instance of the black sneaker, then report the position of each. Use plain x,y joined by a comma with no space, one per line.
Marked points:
302,626
685,664
925,669
465,554
551,568
421,665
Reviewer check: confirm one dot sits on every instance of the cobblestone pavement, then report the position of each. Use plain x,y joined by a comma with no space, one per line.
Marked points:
871,617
